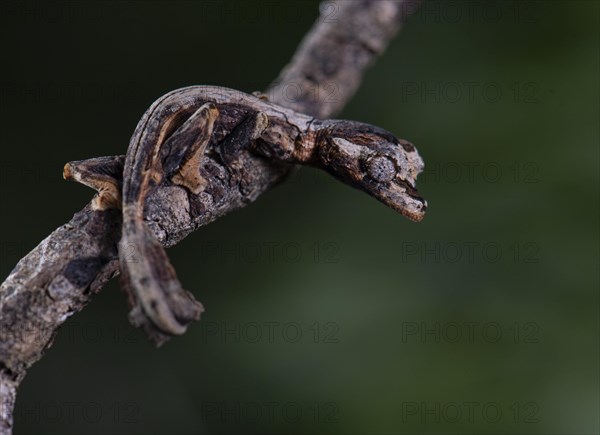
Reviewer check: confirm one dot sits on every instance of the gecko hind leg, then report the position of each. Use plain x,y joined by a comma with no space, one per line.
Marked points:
186,147
103,174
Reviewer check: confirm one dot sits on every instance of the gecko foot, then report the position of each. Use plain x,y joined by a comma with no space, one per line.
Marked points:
187,146
159,304
103,174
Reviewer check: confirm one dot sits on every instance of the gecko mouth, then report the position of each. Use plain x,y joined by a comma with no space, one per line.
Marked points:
400,196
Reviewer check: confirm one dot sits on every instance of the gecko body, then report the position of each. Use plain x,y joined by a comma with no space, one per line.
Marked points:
171,145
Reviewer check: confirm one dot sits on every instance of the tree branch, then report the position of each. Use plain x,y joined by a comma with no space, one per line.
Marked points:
60,276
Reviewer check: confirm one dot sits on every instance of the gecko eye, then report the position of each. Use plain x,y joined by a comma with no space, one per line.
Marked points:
381,169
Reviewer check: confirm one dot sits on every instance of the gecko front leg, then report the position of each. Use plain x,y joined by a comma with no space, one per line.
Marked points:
103,174
242,137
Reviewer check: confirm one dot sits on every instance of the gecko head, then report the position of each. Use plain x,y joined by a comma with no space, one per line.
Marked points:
374,160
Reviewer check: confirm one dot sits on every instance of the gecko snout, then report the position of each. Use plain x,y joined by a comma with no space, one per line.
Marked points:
67,172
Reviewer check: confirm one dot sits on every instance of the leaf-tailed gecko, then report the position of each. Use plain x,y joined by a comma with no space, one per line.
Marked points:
169,146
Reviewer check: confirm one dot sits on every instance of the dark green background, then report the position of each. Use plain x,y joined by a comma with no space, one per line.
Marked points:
509,245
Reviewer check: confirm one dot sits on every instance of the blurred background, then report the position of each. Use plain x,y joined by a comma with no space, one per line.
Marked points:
326,312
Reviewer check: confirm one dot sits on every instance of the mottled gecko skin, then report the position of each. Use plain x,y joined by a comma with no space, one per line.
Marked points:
186,128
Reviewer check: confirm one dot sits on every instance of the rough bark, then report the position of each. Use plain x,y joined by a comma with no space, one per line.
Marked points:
60,276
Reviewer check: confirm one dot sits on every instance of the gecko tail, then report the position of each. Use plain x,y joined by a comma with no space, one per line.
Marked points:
159,304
